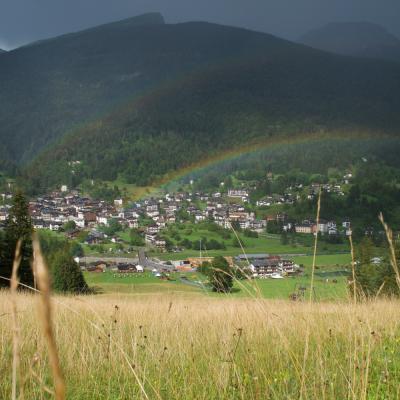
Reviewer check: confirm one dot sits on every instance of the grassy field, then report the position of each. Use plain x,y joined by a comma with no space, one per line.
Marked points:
134,284
265,243
173,346
134,192
324,260
138,284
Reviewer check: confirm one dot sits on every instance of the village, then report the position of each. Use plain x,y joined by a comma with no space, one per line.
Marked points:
97,223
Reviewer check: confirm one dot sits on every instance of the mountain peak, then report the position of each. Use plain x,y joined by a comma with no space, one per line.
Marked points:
152,18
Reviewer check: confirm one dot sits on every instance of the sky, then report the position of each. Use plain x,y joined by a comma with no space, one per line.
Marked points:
25,21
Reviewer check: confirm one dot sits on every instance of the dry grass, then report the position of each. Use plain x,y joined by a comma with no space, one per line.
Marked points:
173,347
43,280
315,245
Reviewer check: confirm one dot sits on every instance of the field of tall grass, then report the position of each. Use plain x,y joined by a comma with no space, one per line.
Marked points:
179,346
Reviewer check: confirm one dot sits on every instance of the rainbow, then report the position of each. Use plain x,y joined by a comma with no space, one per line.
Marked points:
211,160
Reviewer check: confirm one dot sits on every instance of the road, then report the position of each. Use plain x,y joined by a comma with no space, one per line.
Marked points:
143,260
147,263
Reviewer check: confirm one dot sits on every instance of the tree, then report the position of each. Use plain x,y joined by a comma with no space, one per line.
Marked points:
373,278
18,226
274,227
250,233
113,227
69,226
220,275
66,274
204,268
77,250
284,238
365,272
135,239
236,242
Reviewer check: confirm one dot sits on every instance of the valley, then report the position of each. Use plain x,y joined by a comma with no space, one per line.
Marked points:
197,210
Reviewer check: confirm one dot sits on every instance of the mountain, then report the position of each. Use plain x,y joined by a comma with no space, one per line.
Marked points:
298,91
360,39
140,98
53,86
2,51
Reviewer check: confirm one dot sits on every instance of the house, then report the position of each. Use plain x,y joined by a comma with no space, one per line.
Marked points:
38,224
264,267
251,257
181,264
133,223
118,202
126,268
238,193
332,230
171,219
152,229
3,215
263,203
97,267
257,225
151,208
346,224
267,267
89,218
150,238
323,227
305,228
102,219
244,224
160,243
199,217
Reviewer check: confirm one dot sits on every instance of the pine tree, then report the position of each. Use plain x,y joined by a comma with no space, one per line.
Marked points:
366,272
373,278
18,226
220,275
66,274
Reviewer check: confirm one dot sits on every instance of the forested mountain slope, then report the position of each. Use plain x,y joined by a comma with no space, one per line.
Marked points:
50,87
225,107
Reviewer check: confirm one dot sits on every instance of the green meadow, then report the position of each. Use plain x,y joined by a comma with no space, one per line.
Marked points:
265,243
330,284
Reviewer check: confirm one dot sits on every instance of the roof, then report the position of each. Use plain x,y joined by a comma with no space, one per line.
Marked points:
252,256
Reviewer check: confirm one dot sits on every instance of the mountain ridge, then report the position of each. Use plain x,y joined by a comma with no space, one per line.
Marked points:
146,19
359,39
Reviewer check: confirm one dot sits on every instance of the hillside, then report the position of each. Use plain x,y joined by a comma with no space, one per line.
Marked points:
122,96
224,107
360,39
52,86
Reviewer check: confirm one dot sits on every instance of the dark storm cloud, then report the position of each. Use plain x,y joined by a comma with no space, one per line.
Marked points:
23,21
